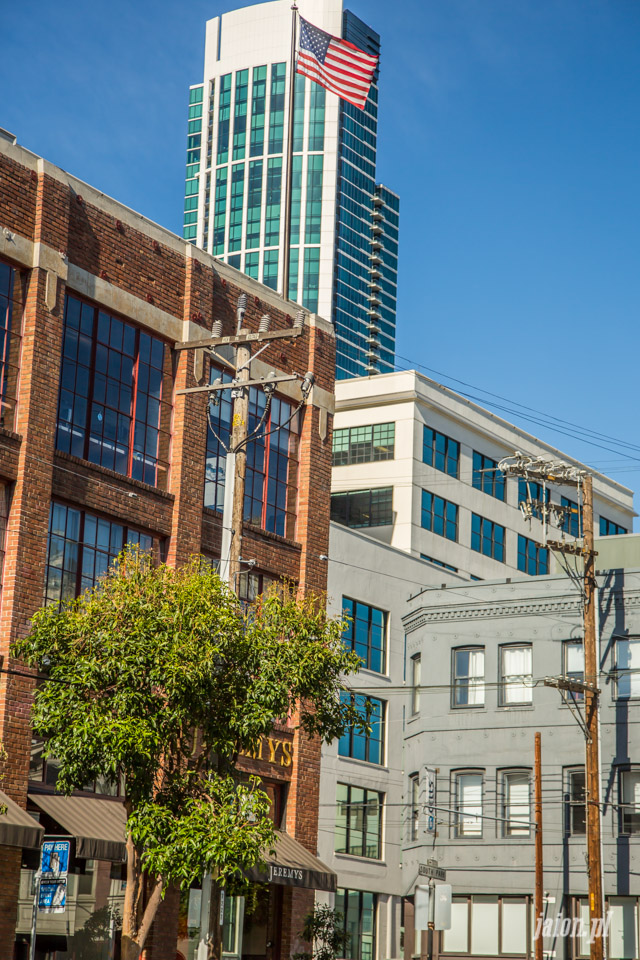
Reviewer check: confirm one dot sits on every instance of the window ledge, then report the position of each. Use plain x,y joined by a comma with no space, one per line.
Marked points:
510,841
356,858
101,471
367,764
10,435
293,544
480,707
465,840
365,671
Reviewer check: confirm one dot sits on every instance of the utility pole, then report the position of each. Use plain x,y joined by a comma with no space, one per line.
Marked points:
592,767
212,902
538,898
562,473
235,474
432,918
238,445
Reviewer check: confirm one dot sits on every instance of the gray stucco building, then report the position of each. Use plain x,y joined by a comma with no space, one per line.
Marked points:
485,650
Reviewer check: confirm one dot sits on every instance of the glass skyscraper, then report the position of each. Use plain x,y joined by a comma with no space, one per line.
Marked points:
344,225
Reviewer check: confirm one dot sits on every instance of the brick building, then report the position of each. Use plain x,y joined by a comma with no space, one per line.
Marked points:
98,448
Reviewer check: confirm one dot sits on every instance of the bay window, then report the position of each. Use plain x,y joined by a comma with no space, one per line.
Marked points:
516,803
468,677
468,804
516,678
627,670
630,801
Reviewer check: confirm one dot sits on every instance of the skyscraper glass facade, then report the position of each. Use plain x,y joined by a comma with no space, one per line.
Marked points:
344,226
366,235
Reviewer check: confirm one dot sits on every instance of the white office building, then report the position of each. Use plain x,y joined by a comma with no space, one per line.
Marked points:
362,803
415,465
417,503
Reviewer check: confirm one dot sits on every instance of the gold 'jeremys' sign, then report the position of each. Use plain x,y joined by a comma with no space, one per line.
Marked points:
269,750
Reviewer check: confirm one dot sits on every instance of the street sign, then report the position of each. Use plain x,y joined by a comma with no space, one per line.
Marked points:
430,799
55,858
432,905
442,912
54,867
432,870
421,905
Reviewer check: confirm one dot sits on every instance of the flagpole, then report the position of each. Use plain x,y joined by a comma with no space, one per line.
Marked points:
286,253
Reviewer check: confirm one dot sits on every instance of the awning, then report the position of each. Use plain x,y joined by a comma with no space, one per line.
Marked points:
97,825
17,827
293,866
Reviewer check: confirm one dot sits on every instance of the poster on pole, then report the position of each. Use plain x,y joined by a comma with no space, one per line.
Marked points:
54,868
52,896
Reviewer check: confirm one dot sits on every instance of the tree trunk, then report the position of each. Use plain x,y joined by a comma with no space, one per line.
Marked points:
129,949
138,915
133,896
214,946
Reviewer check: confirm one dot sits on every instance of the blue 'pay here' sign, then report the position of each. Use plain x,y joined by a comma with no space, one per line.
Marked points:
55,858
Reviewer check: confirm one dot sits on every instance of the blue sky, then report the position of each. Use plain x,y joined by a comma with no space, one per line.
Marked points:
510,129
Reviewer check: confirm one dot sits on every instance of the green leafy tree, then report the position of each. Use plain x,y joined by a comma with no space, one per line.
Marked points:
159,676
324,930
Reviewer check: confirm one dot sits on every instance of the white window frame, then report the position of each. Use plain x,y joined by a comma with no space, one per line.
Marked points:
416,680
468,812
629,805
476,683
627,676
414,807
572,804
516,689
519,825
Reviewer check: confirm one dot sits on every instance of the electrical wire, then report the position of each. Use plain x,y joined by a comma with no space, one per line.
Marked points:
584,434
548,416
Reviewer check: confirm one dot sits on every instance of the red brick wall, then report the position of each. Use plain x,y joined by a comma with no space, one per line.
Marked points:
125,257
10,871
187,285
19,187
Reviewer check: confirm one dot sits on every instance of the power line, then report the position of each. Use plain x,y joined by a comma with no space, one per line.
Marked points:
548,419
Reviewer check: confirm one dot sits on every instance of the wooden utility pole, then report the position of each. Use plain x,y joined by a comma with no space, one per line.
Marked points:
538,899
239,426
556,472
213,897
592,766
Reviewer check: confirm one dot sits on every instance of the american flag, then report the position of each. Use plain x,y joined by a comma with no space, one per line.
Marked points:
336,64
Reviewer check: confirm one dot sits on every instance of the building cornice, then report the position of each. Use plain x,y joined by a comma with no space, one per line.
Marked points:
568,605
418,618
